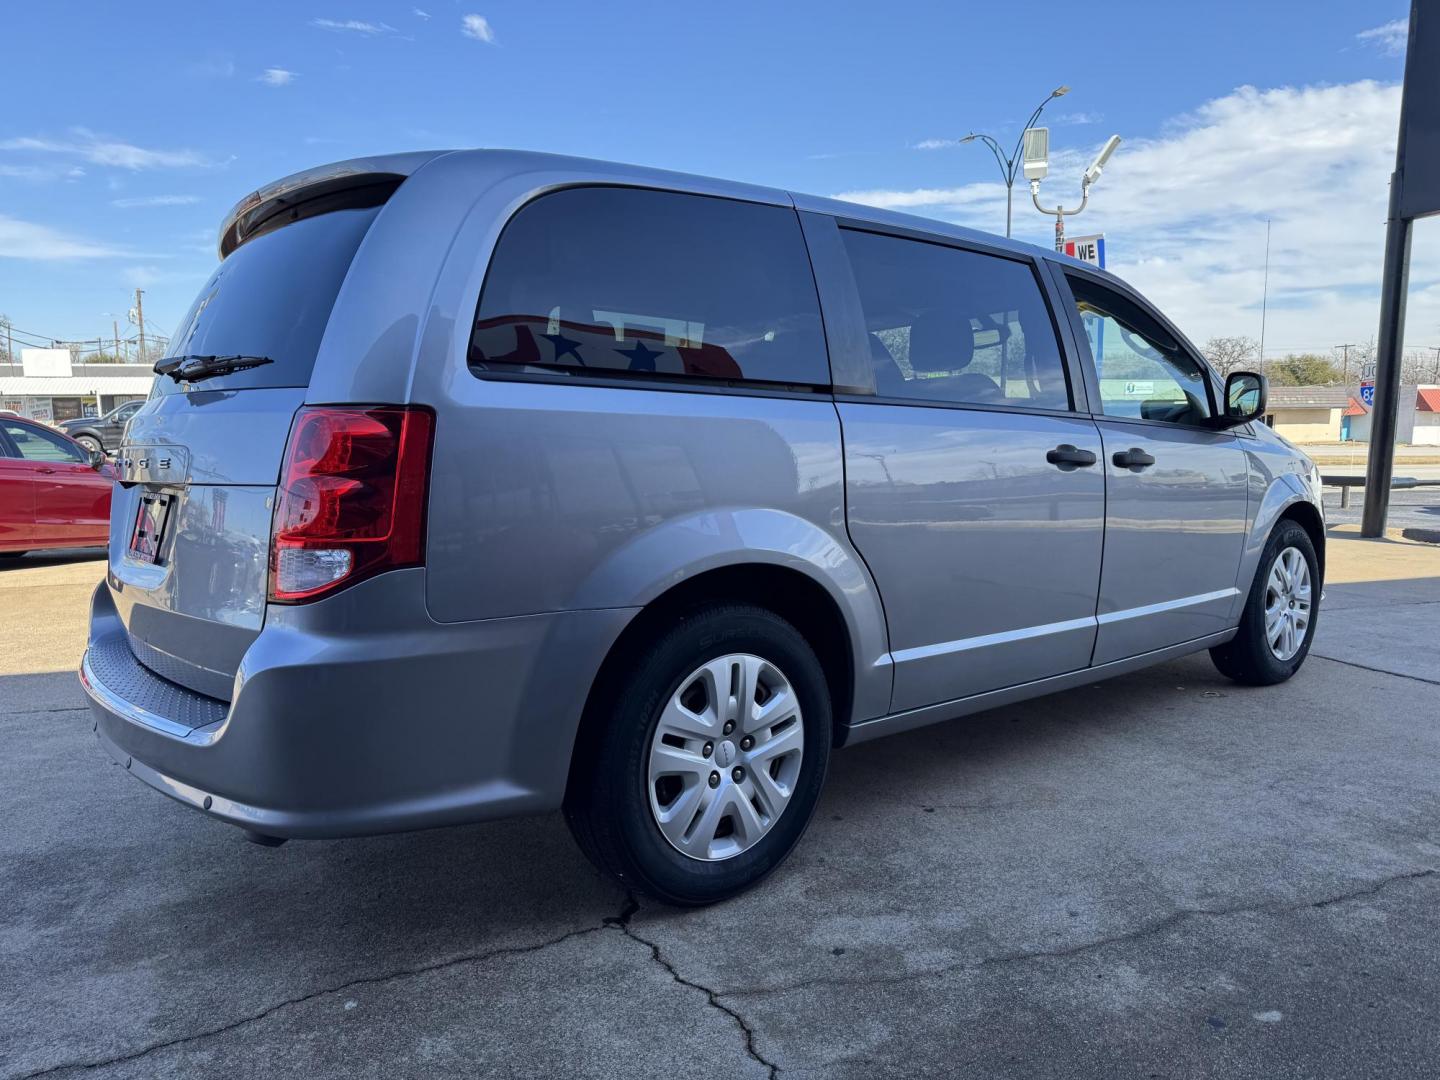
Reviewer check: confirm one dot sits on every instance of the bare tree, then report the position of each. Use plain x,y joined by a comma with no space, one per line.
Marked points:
1227,354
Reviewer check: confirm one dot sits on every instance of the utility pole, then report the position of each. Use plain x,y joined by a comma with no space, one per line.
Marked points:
1345,362
140,320
1265,296
115,329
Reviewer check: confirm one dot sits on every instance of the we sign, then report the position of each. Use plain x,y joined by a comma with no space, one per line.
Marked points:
1089,249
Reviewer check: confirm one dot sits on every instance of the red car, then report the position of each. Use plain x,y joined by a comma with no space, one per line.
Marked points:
53,492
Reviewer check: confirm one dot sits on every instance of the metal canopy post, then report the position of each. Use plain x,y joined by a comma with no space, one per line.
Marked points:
1380,465
1414,192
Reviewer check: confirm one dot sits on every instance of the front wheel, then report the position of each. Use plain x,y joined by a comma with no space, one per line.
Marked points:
89,442
710,757
1278,623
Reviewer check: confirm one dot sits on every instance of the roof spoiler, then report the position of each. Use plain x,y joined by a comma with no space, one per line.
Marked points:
344,184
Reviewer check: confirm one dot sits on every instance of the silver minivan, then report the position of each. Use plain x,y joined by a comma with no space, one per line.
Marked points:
485,483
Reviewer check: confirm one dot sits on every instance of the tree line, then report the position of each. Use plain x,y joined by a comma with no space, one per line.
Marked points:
1227,354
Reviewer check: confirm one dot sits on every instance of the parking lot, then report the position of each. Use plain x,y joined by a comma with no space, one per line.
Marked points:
1161,876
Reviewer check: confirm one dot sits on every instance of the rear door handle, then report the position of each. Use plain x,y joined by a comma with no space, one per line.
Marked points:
1068,457
1134,458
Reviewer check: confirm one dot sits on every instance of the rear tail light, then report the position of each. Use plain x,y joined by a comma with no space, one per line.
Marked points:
352,498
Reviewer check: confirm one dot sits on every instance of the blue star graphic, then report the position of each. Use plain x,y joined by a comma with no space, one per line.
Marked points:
641,358
564,345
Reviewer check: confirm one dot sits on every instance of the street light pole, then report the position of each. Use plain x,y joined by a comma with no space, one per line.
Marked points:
1090,176
1008,165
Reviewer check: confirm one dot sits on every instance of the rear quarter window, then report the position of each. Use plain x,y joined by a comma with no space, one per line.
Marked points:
272,297
630,282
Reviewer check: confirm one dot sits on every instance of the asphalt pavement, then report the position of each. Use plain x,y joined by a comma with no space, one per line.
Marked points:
1165,875
1410,508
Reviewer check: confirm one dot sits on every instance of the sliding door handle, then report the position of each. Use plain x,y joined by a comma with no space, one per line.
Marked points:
1069,457
1134,458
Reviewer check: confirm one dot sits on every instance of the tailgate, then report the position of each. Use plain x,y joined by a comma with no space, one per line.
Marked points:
201,468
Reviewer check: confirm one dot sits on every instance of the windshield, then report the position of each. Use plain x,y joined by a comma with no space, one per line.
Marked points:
272,297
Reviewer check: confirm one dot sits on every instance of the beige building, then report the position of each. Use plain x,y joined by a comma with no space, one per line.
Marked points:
1335,414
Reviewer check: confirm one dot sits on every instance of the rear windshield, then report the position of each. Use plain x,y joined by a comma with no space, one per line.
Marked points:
272,297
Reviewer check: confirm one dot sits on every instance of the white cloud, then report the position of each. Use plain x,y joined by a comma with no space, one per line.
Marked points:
99,150
276,77
1184,214
26,240
1390,37
155,200
936,144
421,14
353,26
477,27
1078,118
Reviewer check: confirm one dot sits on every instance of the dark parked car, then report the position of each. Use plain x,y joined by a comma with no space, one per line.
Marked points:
54,493
101,432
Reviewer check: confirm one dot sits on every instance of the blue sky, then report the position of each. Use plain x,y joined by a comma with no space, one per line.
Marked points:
131,128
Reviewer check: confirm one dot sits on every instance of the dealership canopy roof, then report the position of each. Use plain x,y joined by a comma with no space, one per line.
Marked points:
74,386
83,381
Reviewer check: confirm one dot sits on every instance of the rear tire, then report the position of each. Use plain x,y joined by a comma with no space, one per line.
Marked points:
11,554
659,807
1285,592
89,442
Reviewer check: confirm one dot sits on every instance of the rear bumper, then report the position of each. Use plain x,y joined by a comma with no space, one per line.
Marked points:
347,732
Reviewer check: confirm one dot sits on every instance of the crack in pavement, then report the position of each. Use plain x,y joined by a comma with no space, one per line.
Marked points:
367,980
619,922
1376,670
622,923
1159,926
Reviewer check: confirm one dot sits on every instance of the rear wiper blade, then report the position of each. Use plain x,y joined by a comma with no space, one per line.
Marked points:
194,368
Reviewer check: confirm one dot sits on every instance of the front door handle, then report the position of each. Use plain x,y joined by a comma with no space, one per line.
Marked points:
1134,458
1068,457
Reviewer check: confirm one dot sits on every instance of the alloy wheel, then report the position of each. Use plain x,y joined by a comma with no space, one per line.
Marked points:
1287,604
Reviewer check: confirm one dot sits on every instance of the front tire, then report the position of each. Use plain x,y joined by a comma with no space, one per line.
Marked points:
1278,623
708,758
89,442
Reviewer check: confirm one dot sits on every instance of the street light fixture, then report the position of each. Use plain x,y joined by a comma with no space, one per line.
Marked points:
1089,177
1008,164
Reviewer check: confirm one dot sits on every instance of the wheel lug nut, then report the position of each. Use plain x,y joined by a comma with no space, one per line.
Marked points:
746,743
729,726
714,779
737,774
709,748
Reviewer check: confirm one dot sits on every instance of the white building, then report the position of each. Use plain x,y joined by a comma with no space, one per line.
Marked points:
1427,416
47,386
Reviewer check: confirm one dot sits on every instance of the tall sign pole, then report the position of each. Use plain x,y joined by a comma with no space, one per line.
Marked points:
1414,192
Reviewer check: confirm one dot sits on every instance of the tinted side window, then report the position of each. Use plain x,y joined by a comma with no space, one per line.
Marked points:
952,325
610,281
1143,371
36,444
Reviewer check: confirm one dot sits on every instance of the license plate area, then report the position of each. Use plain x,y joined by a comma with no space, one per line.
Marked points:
151,517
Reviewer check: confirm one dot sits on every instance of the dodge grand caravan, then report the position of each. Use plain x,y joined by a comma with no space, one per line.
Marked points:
485,483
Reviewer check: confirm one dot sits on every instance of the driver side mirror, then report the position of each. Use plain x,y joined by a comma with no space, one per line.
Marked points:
97,459
1245,394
